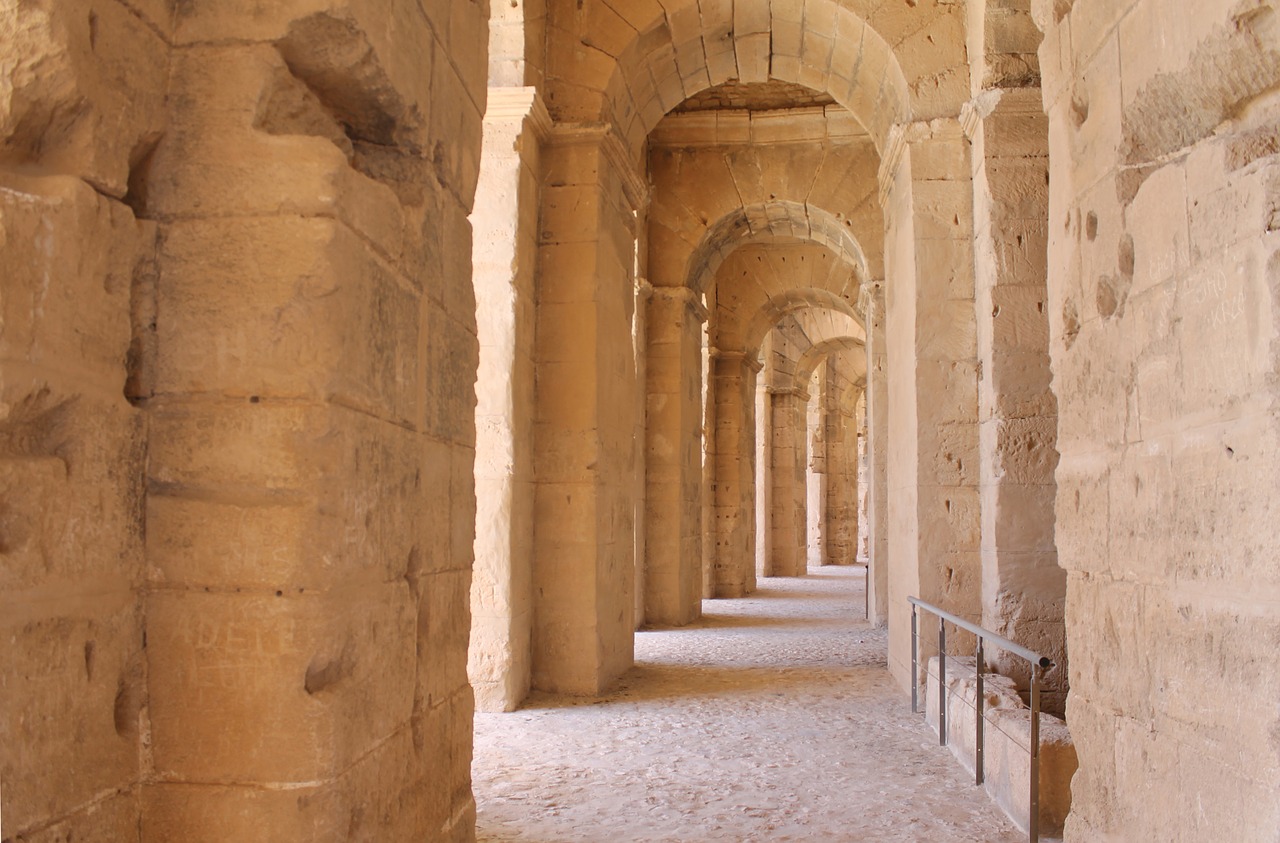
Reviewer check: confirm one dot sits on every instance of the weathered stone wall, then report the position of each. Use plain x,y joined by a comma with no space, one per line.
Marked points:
303,353
1164,265
81,104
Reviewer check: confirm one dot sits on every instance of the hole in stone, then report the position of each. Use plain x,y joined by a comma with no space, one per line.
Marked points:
1091,226
1070,324
141,157
90,647
995,311
1127,256
1231,452
254,399
1079,110
323,673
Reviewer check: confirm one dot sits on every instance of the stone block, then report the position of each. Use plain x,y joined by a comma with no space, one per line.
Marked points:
263,688
113,820
323,318
70,259
443,629
1007,734
70,498
87,95
72,691
214,813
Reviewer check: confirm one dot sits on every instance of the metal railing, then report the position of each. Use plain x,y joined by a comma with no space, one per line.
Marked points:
1038,665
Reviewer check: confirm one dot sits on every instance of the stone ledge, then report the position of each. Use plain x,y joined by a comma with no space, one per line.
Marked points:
1007,738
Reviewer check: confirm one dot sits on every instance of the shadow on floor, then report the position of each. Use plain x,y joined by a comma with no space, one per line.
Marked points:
653,682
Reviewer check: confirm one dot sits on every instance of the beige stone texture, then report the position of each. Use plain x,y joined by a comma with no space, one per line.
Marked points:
932,373
296,470
1006,756
1162,314
81,99
584,550
1023,587
500,654
246,402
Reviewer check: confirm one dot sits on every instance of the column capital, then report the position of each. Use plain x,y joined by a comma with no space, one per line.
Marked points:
689,298
603,137
870,301
1027,102
905,135
509,104
749,361
793,391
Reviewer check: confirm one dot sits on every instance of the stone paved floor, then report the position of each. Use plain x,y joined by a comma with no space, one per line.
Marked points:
771,719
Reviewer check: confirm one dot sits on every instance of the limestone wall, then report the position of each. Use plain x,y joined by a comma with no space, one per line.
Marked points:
1163,278
81,106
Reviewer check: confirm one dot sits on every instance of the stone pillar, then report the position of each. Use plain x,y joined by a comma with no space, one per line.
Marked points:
841,537
1023,589
505,257
673,457
640,480
761,453
311,506
877,451
584,551
933,456
732,460
787,515
818,468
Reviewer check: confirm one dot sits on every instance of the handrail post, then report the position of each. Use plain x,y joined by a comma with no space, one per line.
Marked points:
942,682
979,769
1033,820
1038,666
915,662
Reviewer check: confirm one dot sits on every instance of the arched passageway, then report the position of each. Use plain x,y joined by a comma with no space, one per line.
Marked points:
265,536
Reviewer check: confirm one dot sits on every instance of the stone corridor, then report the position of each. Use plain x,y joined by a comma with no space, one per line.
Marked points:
772,718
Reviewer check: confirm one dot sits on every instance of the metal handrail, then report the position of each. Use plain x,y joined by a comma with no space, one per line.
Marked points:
1039,664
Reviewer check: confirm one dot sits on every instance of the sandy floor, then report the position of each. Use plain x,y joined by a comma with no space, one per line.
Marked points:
771,719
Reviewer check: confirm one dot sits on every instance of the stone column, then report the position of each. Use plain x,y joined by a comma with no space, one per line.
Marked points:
505,257
840,540
311,507
733,465
1023,589
640,480
761,453
933,456
818,466
787,515
673,457
584,551
877,454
